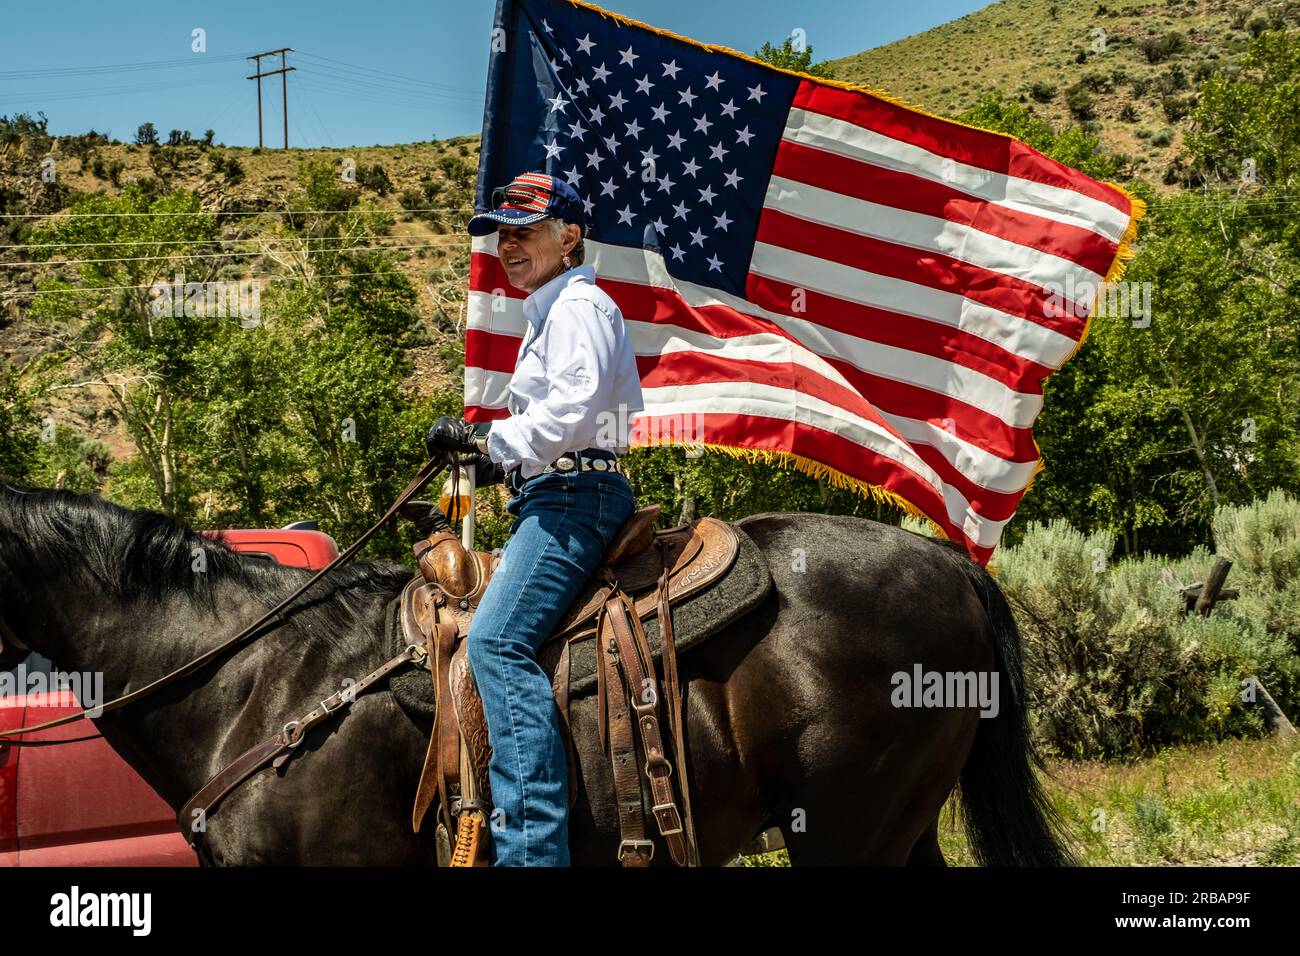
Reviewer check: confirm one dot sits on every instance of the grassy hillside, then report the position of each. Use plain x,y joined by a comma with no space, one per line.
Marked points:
427,186
1127,68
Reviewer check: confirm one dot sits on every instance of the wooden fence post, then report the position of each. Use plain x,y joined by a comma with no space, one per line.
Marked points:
1213,584
1273,716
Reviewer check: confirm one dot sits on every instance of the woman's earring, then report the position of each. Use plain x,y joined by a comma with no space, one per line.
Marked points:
567,263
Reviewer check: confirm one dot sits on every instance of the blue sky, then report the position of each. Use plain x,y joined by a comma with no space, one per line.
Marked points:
377,72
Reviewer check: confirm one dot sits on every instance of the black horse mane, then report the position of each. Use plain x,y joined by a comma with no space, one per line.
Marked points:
136,554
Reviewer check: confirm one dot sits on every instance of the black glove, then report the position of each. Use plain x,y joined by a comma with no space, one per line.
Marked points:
426,515
486,471
452,434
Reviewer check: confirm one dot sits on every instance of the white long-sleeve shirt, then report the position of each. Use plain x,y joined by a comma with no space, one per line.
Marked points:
575,383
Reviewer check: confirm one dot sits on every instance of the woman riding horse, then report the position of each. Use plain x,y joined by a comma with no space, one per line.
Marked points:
574,389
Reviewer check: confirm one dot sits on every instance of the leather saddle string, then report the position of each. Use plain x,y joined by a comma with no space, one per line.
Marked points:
628,794
276,615
602,702
277,749
676,703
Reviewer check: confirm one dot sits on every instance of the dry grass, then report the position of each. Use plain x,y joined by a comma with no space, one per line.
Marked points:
1012,45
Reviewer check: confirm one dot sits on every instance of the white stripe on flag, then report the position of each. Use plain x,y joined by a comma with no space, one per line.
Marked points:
982,467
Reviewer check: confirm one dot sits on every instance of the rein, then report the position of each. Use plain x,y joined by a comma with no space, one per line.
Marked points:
276,616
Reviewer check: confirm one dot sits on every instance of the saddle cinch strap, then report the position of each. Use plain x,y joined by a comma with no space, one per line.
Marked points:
456,764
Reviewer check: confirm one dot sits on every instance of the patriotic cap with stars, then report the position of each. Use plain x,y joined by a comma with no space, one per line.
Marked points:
529,198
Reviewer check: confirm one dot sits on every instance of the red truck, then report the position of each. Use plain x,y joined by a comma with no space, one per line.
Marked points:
48,816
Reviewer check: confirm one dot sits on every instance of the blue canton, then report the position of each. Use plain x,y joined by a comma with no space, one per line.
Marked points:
670,146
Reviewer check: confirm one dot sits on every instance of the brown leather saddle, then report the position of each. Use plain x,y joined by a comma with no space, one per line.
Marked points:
644,572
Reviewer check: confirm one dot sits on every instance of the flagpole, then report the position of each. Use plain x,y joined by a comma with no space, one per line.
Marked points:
467,525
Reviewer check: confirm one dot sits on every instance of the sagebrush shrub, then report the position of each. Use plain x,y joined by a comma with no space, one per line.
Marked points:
1104,672
1113,665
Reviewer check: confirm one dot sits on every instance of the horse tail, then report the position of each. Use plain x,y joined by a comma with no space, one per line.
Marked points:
1009,820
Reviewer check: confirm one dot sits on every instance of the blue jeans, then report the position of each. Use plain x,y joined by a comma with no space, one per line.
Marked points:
564,524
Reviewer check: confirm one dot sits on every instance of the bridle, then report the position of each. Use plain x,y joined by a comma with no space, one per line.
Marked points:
275,617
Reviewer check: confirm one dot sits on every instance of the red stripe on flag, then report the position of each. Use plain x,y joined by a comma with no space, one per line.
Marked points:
492,351
486,274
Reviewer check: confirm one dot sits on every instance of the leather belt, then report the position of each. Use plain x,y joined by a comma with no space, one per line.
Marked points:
589,459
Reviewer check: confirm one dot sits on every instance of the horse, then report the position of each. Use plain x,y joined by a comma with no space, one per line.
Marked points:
791,712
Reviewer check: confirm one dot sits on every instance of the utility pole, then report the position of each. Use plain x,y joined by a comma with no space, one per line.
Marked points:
283,73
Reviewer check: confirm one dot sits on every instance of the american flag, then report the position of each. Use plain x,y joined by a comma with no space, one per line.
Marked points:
811,273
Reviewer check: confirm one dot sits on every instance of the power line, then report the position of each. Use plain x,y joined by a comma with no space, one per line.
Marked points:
228,254
204,60
352,67
389,89
340,87
124,288
45,96
216,121
334,93
258,212
314,113
168,242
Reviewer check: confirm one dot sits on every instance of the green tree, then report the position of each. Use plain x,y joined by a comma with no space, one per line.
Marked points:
1071,145
1201,396
20,448
1252,115
788,56
302,417
118,319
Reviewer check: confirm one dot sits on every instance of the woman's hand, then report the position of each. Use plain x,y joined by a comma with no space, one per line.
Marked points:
486,471
453,434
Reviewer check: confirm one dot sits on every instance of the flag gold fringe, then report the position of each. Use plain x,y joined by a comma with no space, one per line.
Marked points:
818,470
1125,252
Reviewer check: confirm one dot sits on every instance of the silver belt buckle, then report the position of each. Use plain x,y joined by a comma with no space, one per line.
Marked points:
566,463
